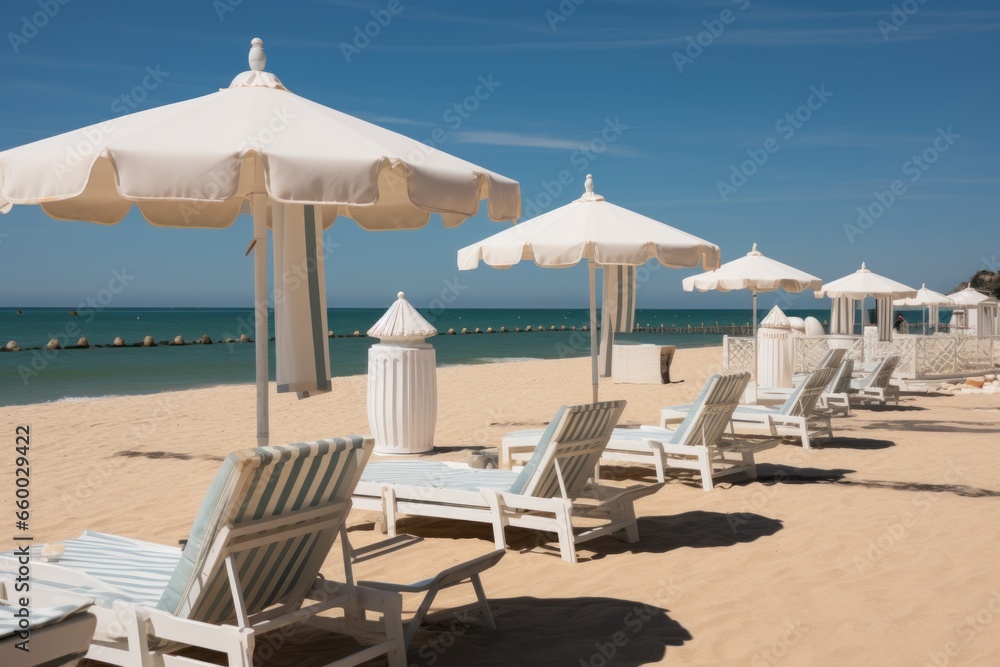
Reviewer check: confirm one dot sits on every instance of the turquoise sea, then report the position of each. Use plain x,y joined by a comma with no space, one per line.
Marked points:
32,376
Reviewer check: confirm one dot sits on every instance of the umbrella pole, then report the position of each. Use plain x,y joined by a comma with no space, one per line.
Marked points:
260,309
592,270
754,292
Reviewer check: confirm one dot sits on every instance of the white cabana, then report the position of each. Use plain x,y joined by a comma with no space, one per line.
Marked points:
863,283
243,149
595,230
925,298
975,313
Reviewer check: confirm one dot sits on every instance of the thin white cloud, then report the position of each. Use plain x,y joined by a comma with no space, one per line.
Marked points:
381,119
530,141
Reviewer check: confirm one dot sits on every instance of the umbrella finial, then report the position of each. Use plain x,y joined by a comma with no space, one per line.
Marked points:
401,295
588,185
257,56
863,267
754,250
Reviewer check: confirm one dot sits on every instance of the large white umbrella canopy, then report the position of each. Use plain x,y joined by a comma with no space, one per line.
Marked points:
755,272
203,162
925,298
595,230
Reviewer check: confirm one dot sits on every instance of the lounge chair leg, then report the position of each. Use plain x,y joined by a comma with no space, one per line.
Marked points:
705,463
623,514
481,594
135,636
499,518
751,464
389,510
243,655
564,531
805,437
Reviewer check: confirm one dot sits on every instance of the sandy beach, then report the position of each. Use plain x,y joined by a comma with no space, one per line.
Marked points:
878,547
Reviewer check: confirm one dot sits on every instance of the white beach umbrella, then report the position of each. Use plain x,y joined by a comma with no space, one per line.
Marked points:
595,230
254,147
925,298
755,272
863,283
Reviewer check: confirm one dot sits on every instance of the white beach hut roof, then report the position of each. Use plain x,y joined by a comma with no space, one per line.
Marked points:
776,319
402,322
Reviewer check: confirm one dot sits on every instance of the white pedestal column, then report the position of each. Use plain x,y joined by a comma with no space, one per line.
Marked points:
402,397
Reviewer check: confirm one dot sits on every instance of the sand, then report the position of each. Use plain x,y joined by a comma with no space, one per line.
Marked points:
878,547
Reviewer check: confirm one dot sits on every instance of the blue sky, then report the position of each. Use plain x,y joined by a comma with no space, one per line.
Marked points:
832,99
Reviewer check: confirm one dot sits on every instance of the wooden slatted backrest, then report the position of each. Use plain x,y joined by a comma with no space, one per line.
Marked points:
569,450
712,411
298,494
803,400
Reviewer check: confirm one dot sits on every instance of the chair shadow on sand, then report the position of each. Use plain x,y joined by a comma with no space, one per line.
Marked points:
657,534
530,631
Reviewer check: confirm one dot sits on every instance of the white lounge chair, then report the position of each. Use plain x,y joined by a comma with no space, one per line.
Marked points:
834,397
546,495
57,635
873,387
467,572
697,444
252,560
796,417
832,358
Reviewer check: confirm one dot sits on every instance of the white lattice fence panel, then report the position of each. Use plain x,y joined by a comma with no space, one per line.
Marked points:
936,355
974,354
740,353
809,350
905,347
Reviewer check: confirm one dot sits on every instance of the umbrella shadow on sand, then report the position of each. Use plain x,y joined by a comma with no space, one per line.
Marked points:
839,442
